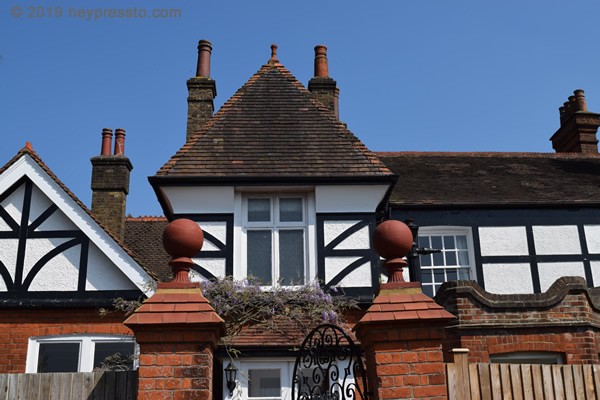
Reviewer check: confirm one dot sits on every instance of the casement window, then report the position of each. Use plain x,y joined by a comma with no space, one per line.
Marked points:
528,357
454,262
275,246
77,353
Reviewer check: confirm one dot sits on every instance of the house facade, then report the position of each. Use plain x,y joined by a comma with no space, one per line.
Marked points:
286,194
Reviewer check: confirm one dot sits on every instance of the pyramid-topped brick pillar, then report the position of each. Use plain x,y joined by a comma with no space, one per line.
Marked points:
403,330
176,328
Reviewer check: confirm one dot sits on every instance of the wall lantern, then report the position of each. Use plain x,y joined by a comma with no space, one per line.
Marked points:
230,377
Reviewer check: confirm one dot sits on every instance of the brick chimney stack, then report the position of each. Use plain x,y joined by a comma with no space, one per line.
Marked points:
110,182
322,86
202,92
578,127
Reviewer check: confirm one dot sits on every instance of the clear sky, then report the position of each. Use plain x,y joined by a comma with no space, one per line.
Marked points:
414,75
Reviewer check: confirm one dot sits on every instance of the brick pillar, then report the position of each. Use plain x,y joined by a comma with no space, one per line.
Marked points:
403,330
177,329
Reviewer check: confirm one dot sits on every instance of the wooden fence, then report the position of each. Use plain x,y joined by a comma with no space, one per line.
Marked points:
69,386
484,381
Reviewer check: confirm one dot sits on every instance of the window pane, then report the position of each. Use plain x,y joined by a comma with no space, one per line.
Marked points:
259,256
451,274
464,274
291,256
436,242
428,290
438,259
117,356
426,260
439,276
463,258
424,241
449,242
290,210
426,276
58,357
450,258
264,383
461,242
259,210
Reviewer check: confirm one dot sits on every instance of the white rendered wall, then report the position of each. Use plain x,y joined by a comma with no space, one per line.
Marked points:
37,248
200,200
357,240
550,272
102,274
39,203
592,236
61,273
503,241
8,256
13,204
360,277
349,198
553,240
507,278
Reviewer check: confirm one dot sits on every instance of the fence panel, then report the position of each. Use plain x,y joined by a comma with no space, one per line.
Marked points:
522,381
69,386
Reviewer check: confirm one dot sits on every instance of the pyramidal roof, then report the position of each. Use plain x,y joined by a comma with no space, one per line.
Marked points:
274,127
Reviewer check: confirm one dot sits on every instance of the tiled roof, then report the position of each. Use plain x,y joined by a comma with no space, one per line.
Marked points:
143,235
399,306
176,306
273,127
493,179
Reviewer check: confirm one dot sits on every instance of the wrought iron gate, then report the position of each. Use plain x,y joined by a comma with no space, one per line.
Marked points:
329,367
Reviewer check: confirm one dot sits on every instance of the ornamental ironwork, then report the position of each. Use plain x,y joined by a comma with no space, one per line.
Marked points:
329,367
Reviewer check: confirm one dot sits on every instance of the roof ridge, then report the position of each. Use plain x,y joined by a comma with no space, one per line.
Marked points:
487,154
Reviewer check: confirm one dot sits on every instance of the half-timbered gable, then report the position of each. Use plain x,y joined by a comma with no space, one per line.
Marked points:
53,251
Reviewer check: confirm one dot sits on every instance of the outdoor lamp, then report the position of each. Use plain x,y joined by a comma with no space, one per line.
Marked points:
230,377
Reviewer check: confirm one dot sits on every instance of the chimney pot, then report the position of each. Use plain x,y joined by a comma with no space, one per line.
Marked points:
204,52
274,53
321,64
119,142
106,141
580,99
578,127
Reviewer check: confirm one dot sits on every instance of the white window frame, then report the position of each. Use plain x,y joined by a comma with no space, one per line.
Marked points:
241,226
87,347
285,365
451,230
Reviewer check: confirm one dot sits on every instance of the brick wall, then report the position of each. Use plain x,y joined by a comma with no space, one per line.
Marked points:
202,92
17,326
565,319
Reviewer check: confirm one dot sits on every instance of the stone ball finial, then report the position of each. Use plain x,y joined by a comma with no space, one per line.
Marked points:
392,239
183,238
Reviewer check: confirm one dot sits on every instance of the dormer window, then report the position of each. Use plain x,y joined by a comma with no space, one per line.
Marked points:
275,230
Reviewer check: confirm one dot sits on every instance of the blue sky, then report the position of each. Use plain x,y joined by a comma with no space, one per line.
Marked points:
425,76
